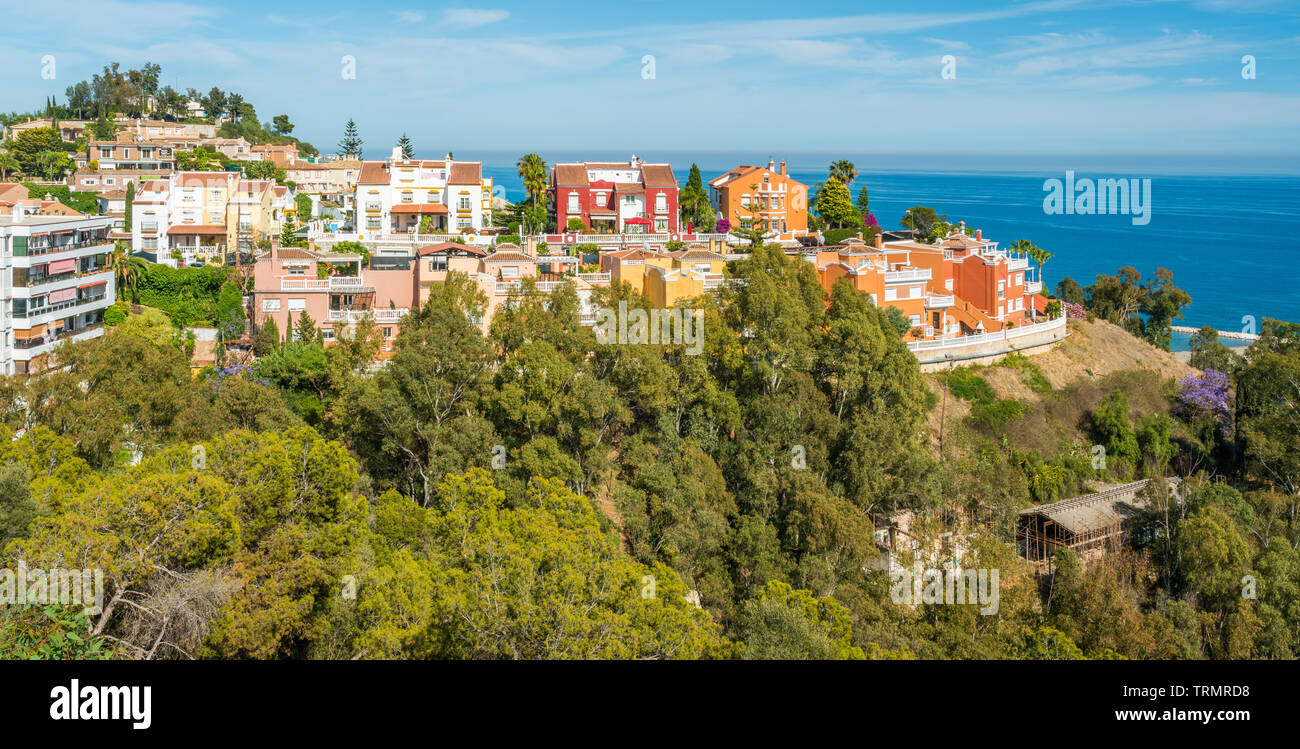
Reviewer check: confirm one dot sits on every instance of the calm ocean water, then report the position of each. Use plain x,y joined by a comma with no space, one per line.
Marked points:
1230,241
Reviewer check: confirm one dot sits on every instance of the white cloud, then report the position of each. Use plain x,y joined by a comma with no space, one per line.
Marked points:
409,16
467,18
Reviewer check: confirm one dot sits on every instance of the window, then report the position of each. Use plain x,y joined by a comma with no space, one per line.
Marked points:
1002,290
916,319
629,200
149,243
463,204
438,262
573,202
372,222
270,305
661,224
510,271
327,334
297,305
407,196
464,222
661,203
891,294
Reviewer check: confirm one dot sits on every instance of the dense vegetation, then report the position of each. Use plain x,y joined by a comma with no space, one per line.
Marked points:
536,494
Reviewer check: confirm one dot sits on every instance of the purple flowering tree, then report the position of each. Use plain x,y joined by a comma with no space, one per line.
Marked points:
1206,396
723,226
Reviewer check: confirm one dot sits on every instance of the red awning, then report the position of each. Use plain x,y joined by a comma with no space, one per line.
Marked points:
645,221
197,229
425,208
63,266
92,285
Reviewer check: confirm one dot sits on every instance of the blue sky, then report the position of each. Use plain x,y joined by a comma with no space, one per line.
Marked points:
1034,77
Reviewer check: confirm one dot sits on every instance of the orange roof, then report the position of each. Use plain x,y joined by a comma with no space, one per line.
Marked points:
197,229
425,208
373,173
465,173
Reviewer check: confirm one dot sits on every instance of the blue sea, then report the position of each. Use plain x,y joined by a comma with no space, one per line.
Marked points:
1231,240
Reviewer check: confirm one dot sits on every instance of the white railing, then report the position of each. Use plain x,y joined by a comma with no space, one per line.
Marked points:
900,276
1033,287
379,315
939,301
1017,263
595,277
320,284
1006,334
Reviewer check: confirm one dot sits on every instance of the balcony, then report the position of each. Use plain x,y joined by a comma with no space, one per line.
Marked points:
1033,287
595,278
939,301
77,244
60,307
904,276
1017,263
356,315
333,283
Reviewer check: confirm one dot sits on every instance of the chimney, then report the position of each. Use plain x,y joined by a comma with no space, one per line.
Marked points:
275,246
771,165
397,153
979,234
880,241
782,167
530,245
961,226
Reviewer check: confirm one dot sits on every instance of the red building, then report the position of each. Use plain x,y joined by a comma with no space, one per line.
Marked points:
630,197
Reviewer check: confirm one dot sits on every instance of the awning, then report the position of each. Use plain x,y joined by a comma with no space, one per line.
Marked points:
92,285
645,221
197,229
27,335
63,295
425,208
63,266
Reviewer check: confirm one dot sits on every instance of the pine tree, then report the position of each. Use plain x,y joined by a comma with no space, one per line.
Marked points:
695,206
864,205
305,329
267,338
350,146
408,150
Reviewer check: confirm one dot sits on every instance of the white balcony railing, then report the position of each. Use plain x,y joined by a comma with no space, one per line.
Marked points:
380,315
341,283
1033,287
595,278
939,301
1017,263
903,276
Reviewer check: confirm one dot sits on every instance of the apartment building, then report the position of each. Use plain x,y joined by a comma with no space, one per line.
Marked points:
396,195
206,216
666,277
236,149
630,197
960,286
55,283
282,156
94,180
335,181
126,151
767,197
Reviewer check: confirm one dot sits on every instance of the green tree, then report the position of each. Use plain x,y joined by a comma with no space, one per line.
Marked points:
787,624
532,172
408,150
835,205
696,209
267,338
843,171
281,124
350,146
924,221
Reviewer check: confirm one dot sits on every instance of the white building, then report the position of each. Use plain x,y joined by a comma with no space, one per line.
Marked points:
55,283
395,195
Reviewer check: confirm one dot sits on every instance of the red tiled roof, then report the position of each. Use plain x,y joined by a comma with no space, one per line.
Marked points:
467,173
373,173
658,175
425,208
434,249
197,229
570,175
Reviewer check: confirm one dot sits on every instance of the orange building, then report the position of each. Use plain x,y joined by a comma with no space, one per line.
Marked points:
960,286
752,194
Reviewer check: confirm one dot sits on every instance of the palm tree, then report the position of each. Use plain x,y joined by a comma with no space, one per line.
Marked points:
532,170
844,171
1036,253
127,268
50,161
8,164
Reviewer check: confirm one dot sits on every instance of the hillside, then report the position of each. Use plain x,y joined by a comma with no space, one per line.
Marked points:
1098,357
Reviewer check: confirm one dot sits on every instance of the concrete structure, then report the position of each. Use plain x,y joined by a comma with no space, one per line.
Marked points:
396,195
55,283
630,197
749,195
